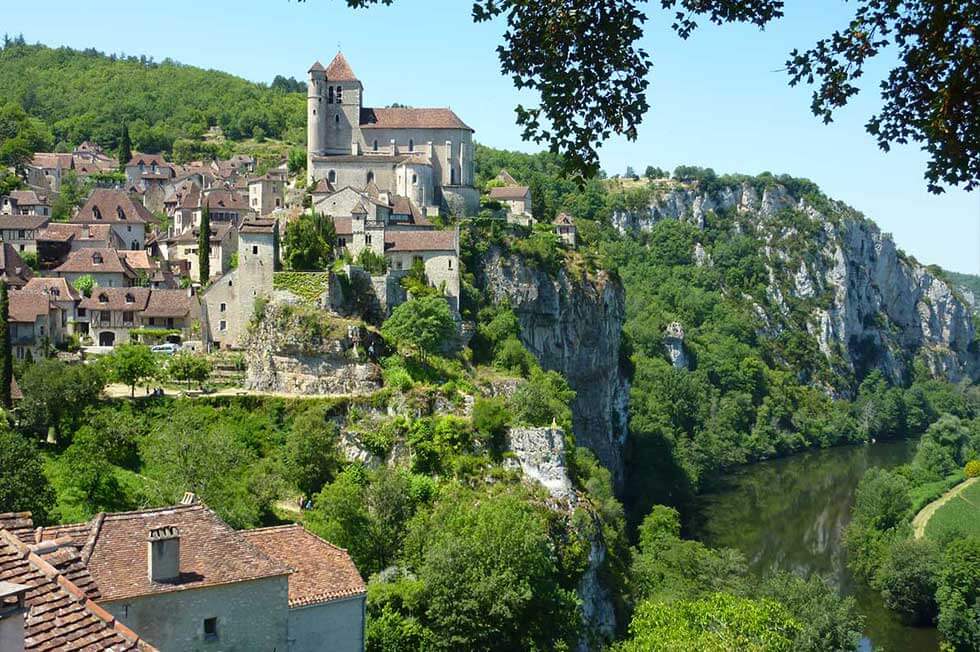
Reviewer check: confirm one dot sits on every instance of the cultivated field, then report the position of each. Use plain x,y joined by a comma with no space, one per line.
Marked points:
961,513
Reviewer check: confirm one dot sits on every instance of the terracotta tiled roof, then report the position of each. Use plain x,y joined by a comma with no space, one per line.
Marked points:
509,192
419,240
138,259
28,198
148,160
26,307
321,571
51,160
211,553
271,175
60,614
127,299
323,187
226,200
340,70
168,303
257,226
77,533
59,289
12,266
20,524
93,260
61,232
26,222
564,219
507,178
112,206
436,118
316,67
342,225
401,205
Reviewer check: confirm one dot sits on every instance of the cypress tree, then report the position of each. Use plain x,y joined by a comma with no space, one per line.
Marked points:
6,355
204,245
125,149
276,266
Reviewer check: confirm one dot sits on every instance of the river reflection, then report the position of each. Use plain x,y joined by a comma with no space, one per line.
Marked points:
790,514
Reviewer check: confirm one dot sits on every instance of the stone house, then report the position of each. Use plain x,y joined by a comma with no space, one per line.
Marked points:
185,580
148,166
47,169
223,206
25,202
565,229
48,599
267,193
127,217
34,324
141,263
65,297
57,240
13,269
112,313
229,302
21,231
425,154
223,244
438,251
516,200
106,266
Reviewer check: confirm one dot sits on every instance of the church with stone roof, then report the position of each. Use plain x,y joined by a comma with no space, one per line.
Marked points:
425,154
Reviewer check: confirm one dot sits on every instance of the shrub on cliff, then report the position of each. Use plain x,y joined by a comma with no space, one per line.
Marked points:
420,326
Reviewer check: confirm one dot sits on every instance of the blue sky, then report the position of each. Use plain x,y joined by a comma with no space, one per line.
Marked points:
717,100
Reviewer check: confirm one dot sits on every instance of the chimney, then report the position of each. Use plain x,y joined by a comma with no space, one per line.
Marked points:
12,610
163,554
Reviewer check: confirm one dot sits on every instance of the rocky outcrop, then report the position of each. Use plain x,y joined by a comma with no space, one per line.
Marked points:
540,455
572,325
299,350
674,343
869,305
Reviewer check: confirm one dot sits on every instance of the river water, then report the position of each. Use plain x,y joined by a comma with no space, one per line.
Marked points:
790,514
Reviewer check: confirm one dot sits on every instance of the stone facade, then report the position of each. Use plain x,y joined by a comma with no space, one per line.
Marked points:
250,616
336,626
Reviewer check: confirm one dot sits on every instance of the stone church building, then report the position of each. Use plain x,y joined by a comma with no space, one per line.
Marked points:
423,154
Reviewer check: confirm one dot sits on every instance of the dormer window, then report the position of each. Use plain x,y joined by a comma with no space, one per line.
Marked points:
120,213
103,298
97,258
96,212
55,292
130,298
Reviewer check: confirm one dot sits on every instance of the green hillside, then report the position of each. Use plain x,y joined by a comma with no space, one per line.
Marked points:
88,95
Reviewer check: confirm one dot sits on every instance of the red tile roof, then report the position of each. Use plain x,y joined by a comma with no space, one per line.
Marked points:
112,206
564,219
340,70
60,614
437,118
125,299
28,198
342,226
95,260
419,240
323,187
226,200
219,231
26,307
509,192
168,303
20,524
257,226
138,259
59,289
26,222
321,571
13,269
51,160
211,553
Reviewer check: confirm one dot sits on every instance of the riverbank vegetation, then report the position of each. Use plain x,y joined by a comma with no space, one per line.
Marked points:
935,578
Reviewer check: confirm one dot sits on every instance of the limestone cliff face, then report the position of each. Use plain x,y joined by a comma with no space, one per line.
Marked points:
301,352
572,325
869,305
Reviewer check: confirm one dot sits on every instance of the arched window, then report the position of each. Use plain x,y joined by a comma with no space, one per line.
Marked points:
130,298
120,213
336,119
330,95
96,212
332,176
411,145
374,146
452,177
415,179
370,176
97,259
103,298
339,95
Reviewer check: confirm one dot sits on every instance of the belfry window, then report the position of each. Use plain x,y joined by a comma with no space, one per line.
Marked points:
330,95
339,95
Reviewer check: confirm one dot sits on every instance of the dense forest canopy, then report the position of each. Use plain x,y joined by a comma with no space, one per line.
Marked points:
88,95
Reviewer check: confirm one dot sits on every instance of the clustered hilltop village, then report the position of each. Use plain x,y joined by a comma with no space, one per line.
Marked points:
110,276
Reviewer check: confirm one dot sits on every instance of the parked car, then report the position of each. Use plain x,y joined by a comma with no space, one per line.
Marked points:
167,349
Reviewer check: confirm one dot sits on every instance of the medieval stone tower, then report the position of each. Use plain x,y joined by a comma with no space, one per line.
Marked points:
334,96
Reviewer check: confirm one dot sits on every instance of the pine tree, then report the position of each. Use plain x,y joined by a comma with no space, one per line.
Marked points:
6,355
125,149
204,245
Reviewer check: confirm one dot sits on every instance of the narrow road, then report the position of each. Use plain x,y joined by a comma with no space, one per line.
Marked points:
922,518
118,390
